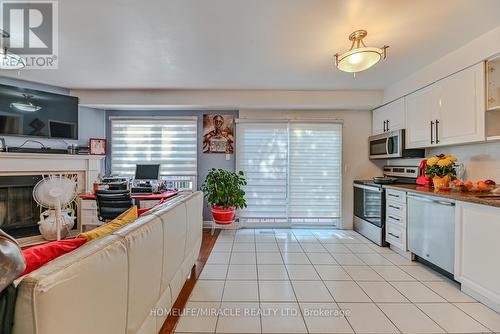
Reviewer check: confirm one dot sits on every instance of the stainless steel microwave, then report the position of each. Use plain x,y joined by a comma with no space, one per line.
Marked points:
391,145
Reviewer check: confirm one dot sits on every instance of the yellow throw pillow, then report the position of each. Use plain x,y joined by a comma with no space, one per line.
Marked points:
127,217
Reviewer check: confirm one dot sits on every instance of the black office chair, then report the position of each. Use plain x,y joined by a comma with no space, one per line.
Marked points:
112,203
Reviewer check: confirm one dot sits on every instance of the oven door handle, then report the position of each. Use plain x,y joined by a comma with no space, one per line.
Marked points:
361,186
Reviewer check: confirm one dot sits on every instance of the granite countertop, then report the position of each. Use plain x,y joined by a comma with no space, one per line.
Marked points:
479,198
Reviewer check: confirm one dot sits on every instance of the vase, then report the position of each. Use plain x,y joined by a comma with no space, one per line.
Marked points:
441,182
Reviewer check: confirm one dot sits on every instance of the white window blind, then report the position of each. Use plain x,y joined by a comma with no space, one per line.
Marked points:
293,171
315,173
170,142
262,154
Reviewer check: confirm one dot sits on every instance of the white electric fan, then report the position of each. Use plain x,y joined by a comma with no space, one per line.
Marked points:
56,193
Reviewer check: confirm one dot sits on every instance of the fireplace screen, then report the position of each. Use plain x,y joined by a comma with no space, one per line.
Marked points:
19,213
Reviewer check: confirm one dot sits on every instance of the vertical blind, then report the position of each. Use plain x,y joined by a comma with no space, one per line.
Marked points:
170,142
293,172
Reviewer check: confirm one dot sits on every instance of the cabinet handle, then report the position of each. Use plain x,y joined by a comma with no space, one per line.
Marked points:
392,234
395,207
437,131
397,219
432,129
392,195
387,125
384,126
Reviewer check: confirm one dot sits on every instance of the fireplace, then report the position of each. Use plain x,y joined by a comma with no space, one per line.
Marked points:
19,213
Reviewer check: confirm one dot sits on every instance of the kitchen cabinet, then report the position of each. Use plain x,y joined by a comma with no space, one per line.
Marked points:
450,111
477,229
389,117
395,218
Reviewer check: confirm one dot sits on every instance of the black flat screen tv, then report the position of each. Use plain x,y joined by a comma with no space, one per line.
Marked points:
33,113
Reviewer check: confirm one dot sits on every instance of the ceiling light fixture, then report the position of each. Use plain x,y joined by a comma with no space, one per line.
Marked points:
26,106
9,60
359,57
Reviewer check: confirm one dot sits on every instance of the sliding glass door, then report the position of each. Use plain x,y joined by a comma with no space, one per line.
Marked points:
293,171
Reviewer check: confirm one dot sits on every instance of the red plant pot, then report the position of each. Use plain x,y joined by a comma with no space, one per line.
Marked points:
223,215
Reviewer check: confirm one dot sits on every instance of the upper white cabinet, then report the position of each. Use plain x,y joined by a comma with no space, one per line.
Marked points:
389,117
450,111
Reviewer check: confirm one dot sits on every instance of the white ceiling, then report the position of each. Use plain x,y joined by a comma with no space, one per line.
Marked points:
252,44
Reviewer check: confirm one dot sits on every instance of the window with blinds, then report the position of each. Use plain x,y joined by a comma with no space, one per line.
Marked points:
170,142
293,172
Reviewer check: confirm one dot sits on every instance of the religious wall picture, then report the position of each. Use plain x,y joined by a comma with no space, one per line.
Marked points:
218,134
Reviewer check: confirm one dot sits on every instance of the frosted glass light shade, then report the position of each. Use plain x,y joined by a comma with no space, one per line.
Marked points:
359,59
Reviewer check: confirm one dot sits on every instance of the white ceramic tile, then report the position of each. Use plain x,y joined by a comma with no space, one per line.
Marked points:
241,291
422,273
409,319
239,318
451,318
272,272
347,291
324,318
198,318
243,247
276,291
449,291
242,258
265,238
245,231
311,291
348,259
290,247
359,248
306,238
337,248
214,271
321,258
367,318
269,258
222,247
382,292
267,247
399,260
362,273
486,316
349,239
219,258
329,240
207,291
374,259
380,250
392,273
242,272
282,318
313,247
295,258
416,292
332,273
225,239
244,238
302,272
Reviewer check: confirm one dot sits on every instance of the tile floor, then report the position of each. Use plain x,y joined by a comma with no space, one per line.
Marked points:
324,281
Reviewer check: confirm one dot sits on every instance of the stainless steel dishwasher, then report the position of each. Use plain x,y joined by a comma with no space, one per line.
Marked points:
431,230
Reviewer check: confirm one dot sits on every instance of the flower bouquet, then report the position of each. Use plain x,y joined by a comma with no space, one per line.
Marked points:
441,168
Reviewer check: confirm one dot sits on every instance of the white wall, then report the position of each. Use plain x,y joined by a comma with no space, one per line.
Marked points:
471,53
357,128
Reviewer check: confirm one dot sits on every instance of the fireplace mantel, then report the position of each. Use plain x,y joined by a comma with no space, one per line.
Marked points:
15,163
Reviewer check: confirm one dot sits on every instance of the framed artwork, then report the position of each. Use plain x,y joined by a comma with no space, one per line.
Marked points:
218,134
97,146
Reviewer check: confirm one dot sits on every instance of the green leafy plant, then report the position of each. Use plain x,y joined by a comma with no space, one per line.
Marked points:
223,188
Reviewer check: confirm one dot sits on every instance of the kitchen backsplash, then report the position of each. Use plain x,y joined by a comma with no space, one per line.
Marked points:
481,161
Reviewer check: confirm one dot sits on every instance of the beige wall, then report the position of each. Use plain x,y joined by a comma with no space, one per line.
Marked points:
356,129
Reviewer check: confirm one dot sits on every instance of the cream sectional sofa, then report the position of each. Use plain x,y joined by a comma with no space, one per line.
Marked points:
121,283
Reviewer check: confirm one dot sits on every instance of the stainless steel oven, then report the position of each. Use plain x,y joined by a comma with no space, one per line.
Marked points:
369,211
391,145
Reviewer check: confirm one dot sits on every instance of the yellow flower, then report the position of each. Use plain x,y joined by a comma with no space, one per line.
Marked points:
451,158
432,161
444,162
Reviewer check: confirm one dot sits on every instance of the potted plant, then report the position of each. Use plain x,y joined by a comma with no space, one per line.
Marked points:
441,168
223,191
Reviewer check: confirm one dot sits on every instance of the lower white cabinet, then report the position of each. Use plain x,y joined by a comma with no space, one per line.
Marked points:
477,251
395,218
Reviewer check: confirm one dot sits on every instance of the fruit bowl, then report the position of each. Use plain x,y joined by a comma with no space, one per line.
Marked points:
478,187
